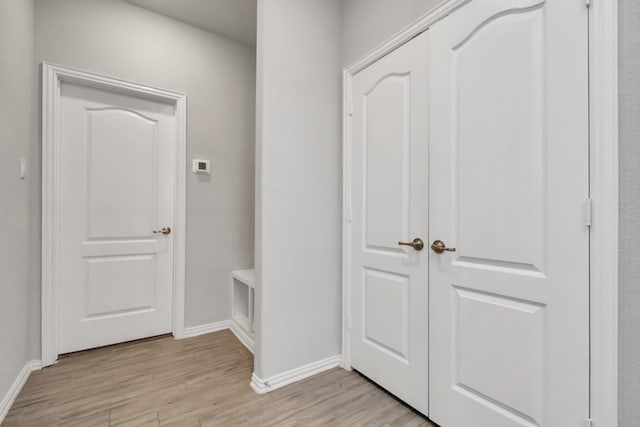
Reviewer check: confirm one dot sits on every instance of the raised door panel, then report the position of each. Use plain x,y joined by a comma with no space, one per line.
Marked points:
386,163
499,340
122,154
499,138
386,313
109,278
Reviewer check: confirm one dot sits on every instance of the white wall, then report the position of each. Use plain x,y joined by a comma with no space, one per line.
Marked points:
218,76
298,221
17,110
368,23
629,386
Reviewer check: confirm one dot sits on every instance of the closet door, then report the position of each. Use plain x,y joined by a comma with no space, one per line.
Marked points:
389,182
509,308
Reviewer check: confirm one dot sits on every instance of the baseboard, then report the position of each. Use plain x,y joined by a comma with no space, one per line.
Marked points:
262,386
259,385
194,331
242,336
17,385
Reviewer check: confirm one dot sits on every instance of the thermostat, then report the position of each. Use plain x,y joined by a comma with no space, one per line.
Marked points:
201,166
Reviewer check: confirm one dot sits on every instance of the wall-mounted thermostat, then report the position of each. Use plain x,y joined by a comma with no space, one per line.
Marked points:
201,166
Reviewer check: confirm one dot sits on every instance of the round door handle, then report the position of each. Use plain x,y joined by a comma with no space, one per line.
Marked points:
164,230
417,244
439,247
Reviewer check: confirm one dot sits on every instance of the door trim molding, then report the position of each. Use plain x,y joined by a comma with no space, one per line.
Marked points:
603,117
52,77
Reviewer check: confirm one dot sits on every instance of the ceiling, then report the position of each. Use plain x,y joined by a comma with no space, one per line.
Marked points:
233,19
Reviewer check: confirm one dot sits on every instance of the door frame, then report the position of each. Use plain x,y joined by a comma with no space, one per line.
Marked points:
603,148
52,78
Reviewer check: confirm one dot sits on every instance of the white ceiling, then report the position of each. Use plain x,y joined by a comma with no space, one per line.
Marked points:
233,19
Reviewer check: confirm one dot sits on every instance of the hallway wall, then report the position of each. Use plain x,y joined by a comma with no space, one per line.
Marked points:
120,40
299,155
19,247
629,82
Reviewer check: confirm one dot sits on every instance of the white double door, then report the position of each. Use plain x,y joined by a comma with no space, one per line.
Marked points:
116,187
474,136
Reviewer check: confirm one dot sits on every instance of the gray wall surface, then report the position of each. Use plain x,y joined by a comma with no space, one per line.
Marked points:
299,159
120,40
367,23
629,82
17,109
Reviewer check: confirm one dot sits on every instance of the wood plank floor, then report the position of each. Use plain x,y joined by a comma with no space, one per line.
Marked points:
201,381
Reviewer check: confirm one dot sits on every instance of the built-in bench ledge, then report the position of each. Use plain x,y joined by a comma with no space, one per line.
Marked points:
242,305
247,277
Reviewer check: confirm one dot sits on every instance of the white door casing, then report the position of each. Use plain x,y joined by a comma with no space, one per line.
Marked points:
389,203
509,162
113,172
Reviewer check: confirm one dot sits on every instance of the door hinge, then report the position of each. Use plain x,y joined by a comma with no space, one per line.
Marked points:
588,422
588,212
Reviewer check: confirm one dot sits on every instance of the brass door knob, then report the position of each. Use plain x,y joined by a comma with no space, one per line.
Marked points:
164,230
438,246
417,244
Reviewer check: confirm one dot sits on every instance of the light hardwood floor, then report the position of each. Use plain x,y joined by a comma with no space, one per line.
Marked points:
202,381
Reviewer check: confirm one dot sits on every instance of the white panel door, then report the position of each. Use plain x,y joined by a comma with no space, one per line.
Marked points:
116,187
389,203
509,309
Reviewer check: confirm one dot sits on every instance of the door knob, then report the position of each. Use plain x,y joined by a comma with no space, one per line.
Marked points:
438,246
417,244
164,230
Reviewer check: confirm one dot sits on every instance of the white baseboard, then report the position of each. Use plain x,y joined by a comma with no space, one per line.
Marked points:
262,386
259,385
242,336
17,385
194,331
